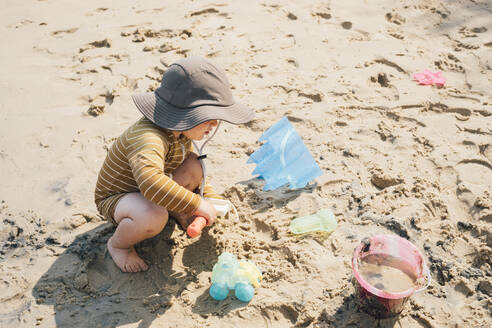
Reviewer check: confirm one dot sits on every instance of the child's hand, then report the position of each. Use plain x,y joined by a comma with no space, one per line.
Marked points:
207,210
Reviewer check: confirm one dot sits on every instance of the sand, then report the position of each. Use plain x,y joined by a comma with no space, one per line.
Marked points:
397,157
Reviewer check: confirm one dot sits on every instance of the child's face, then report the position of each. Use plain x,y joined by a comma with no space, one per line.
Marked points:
199,131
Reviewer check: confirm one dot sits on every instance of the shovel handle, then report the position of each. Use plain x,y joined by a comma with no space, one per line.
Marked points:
196,227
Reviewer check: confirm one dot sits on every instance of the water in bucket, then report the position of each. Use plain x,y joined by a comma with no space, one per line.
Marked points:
387,270
385,275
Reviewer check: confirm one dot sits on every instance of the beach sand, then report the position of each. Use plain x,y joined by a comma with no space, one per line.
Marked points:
397,157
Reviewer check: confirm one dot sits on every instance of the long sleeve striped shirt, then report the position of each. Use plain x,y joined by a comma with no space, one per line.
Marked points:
142,159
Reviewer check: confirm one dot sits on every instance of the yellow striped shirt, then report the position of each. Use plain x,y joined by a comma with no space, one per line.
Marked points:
142,159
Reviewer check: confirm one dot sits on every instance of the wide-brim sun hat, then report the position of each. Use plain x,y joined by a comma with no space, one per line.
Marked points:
192,91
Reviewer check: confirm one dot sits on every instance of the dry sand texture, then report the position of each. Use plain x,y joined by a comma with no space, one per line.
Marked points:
397,157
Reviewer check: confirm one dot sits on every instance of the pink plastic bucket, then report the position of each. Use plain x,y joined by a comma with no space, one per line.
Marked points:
403,256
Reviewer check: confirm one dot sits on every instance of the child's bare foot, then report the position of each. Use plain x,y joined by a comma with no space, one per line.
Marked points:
126,259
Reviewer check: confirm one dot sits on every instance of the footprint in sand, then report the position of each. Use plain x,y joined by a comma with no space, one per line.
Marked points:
467,46
472,32
387,62
204,12
381,79
67,31
449,62
395,18
140,35
166,47
390,91
315,97
95,110
106,43
208,11
396,35
98,103
443,11
321,13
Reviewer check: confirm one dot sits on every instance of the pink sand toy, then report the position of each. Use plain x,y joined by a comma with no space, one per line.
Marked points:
222,207
195,228
399,253
429,78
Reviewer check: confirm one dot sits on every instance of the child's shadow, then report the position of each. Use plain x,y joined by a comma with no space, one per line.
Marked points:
262,200
205,305
88,290
201,257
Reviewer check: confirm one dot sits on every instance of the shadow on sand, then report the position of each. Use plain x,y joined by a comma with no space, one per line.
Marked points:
349,314
88,290
260,200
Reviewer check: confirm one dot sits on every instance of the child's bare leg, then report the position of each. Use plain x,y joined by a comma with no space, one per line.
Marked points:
138,219
189,175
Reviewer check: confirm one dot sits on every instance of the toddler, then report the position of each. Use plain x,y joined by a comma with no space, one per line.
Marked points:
151,170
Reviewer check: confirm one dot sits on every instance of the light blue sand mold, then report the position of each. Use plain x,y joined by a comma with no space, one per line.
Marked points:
284,158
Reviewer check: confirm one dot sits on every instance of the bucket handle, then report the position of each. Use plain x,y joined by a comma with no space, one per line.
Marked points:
429,280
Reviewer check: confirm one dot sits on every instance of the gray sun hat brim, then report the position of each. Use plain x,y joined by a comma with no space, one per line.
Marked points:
167,116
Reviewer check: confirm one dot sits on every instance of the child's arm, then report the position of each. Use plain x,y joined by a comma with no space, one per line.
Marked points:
208,191
145,153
